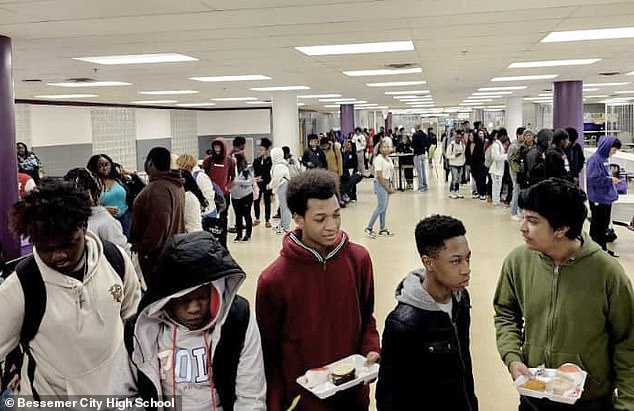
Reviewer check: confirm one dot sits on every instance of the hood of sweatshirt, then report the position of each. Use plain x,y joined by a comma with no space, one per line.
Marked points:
172,176
223,149
277,156
542,140
605,144
410,291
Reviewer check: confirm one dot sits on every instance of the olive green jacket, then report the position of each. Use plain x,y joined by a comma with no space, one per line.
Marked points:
580,312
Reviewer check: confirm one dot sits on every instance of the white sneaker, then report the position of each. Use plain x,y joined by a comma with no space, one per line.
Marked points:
460,196
386,233
453,196
369,233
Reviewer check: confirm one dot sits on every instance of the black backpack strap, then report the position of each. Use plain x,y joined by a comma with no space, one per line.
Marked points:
227,355
34,307
115,258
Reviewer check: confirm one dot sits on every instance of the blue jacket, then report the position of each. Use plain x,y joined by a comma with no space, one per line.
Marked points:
600,186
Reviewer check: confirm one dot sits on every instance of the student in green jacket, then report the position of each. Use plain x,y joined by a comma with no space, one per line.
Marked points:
561,299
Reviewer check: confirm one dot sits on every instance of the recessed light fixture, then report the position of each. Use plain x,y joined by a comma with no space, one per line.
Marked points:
471,103
492,93
553,63
592,34
478,100
590,89
138,58
320,96
219,79
622,83
538,98
398,93
280,88
598,96
332,106
545,94
483,97
90,84
397,83
196,104
631,73
330,100
64,96
523,78
168,92
382,72
154,102
417,104
234,99
497,107
301,104
259,102
361,48
502,88
624,92
412,96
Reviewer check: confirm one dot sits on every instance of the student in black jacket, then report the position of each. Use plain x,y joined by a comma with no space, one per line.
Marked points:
425,358
349,179
314,156
574,152
475,160
262,172
555,162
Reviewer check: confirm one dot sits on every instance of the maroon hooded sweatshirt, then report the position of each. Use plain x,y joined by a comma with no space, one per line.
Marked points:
220,168
312,311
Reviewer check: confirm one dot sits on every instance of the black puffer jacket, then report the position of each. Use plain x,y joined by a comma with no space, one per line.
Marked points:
425,359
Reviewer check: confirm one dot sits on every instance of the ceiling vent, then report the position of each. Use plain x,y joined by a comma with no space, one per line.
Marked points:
401,65
32,80
81,80
610,73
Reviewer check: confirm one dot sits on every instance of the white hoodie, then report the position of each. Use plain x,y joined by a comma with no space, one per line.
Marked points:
499,157
81,334
280,173
102,223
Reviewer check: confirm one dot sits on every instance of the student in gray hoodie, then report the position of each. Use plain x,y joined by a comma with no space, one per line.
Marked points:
425,358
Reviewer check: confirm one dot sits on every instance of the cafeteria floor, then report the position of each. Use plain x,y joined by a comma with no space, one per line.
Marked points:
492,235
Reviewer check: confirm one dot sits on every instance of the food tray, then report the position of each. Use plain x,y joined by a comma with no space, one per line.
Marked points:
546,374
328,389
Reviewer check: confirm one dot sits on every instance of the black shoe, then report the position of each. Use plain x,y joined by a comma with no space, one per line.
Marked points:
231,230
276,216
610,236
612,253
237,239
245,239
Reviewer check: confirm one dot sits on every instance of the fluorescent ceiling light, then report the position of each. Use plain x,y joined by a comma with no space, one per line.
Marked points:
331,106
196,104
493,109
217,79
259,102
472,103
483,97
624,92
397,83
62,96
480,100
301,104
412,96
281,88
235,99
502,88
631,73
90,84
593,34
414,103
553,63
320,96
599,96
522,78
397,93
492,93
545,95
138,58
590,89
154,102
382,72
330,100
361,48
367,105
502,107
168,92
622,83
538,98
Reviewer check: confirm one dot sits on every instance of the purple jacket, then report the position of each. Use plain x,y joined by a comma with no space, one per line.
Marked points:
599,180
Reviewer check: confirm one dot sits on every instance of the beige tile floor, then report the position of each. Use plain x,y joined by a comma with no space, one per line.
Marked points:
491,235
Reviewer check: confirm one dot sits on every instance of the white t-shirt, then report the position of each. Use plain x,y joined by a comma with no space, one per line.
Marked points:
384,165
446,307
359,141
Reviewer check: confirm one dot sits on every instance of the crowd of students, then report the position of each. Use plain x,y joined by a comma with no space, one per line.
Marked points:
161,318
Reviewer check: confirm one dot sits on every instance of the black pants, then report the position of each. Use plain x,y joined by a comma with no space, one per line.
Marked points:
534,404
479,174
242,208
409,173
267,202
507,184
600,223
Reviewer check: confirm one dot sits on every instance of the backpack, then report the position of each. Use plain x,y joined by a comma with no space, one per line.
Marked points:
219,196
34,307
488,157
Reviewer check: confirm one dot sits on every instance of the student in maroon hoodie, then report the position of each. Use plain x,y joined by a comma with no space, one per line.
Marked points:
220,168
315,302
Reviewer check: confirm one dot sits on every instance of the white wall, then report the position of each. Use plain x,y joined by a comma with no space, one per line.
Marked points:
57,125
152,124
233,122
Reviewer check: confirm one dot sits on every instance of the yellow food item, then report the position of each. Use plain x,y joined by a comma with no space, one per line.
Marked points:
535,385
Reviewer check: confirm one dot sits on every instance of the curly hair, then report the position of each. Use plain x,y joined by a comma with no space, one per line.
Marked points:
318,183
432,232
56,209
84,180
93,167
186,162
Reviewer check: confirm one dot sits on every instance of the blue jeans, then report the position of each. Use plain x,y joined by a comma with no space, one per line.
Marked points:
419,163
456,175
285,212
382,197
516,194
126,222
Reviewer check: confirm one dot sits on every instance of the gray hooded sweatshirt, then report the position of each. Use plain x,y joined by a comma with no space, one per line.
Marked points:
410,291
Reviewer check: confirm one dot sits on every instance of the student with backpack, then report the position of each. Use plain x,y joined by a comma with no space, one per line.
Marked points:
195,340
221,170
66,303
535,157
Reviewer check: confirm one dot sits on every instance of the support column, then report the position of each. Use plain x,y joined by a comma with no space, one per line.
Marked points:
8,162
514,115
346,117
286,122
568,106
